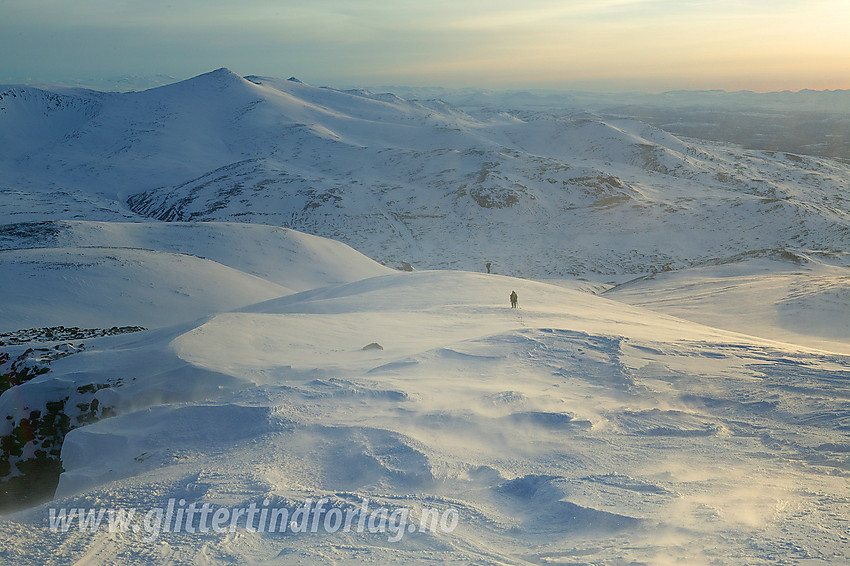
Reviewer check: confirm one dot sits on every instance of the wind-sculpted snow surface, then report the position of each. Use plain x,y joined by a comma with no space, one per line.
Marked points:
286,376
800,299
535,193
571,429
109,274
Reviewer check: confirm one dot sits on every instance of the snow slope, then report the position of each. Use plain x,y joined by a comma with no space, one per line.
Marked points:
293,259
696,412
798,299
573,428
95,274
533,192
105,287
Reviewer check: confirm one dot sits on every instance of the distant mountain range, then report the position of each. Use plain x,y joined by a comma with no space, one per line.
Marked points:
535,192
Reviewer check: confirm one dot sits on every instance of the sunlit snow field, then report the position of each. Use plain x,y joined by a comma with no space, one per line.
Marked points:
673,388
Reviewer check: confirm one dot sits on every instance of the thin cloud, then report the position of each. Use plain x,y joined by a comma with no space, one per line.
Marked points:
699,43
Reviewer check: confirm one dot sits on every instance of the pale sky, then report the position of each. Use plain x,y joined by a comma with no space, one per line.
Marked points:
608,45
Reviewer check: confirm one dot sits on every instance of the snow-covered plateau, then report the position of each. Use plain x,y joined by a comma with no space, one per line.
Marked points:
239,293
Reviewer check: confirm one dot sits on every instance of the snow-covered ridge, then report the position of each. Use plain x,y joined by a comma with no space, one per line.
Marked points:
796,299
286,257
152,274
280,366
533,192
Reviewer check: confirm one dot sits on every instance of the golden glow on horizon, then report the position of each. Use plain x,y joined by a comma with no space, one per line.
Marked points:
615,44
801,47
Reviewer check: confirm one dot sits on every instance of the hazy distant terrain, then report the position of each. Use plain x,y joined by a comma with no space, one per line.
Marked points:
801,132
805,122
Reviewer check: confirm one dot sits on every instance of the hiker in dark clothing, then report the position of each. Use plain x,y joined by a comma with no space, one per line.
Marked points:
488,267
514,299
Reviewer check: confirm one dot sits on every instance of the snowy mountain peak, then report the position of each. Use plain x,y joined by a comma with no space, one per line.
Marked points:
421,182
220,79
222,74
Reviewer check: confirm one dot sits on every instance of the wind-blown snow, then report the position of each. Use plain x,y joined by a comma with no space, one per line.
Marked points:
693,411
572,426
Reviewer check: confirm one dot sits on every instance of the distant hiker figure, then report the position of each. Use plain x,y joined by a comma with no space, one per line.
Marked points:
488,267
514,299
